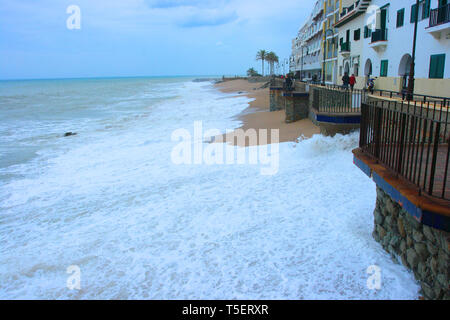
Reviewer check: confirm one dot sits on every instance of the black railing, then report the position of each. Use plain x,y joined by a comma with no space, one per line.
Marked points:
345,46
380,35
414,97
338,99
440,15
410,139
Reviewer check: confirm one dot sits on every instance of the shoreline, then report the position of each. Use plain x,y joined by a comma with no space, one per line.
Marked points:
257,115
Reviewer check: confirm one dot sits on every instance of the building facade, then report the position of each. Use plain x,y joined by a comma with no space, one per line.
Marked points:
330,34
388,44
352,18
374,38
306,58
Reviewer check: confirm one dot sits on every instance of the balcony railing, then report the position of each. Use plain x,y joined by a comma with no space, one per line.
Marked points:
411,140
379,35
345,46
338,99
440,15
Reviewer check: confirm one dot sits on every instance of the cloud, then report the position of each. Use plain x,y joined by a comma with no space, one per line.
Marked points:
203,18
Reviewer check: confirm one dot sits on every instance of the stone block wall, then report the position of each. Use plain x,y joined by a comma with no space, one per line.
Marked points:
422,249
276,100
297,108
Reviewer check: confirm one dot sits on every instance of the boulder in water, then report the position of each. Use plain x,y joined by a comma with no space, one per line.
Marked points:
68,134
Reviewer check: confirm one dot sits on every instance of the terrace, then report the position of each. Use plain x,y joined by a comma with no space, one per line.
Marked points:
439,21
405,147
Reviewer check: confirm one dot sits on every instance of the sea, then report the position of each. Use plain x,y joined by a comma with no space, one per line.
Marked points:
105,213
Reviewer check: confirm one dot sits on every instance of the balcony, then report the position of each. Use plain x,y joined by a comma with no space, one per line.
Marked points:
351,12
345,49
439,21
379,39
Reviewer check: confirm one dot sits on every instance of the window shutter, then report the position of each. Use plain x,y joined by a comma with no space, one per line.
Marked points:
426,9
437,66
413,13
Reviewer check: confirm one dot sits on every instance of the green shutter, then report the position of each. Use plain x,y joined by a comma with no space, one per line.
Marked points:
366,32
437,66
400,17
426,9
413,13
384,68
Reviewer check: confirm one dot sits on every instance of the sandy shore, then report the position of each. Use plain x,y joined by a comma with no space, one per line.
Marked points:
258,116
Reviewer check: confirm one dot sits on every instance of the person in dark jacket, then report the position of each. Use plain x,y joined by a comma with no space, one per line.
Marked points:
288,82
345,80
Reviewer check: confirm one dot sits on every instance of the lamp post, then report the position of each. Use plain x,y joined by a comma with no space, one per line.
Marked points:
324,51
410,94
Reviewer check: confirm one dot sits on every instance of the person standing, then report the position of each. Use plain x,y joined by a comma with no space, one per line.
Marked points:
352,81
345,80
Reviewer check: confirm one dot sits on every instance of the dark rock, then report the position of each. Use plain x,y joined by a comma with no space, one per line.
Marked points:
417,236
428,291
428,233
401,228
68,134
422,251
378,217
412,258
432,249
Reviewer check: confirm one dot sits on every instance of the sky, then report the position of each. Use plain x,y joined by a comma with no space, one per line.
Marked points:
143,37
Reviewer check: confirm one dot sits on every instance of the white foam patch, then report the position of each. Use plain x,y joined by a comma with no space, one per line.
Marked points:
139,226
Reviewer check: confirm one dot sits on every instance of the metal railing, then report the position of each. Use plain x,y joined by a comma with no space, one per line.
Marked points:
345,46
379,35
415,97
439,15
338,99
412,140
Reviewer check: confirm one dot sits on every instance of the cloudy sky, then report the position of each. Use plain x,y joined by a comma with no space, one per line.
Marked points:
143,37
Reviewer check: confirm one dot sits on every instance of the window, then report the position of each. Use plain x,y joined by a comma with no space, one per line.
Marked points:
384,68
367,32
423,12
357,34
437,64
400,17
413,13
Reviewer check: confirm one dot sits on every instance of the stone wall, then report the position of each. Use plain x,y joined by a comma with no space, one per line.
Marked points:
422,249
276,100
297,108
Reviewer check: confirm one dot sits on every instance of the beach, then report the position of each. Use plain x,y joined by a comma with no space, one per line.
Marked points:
258,116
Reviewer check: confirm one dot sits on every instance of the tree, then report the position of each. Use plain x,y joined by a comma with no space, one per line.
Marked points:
261,55
252,73
272,58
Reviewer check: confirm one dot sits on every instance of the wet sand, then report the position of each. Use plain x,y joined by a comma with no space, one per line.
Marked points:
258,116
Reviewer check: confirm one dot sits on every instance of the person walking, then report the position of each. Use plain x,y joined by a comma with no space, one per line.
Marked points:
352,81
345,80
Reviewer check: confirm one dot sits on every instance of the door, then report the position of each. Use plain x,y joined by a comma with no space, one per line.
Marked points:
383,19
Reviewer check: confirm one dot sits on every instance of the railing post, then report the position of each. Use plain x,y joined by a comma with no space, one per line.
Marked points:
402,143
377,130
434,158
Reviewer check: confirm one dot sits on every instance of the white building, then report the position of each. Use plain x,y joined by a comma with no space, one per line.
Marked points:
387,45
306,59
352,20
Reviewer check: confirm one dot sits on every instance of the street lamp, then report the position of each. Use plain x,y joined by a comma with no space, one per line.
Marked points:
410,94
332,41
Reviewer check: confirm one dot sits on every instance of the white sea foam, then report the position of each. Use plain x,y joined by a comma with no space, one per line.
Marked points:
110,201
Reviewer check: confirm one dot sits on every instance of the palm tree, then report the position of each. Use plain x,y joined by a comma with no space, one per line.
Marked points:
271,58
261,55
252,73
